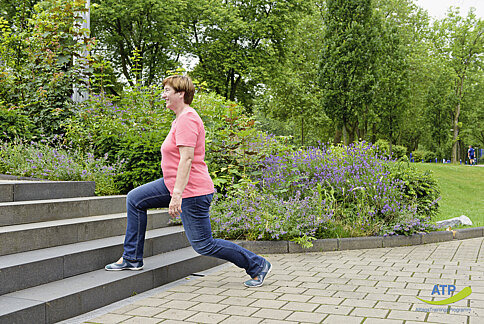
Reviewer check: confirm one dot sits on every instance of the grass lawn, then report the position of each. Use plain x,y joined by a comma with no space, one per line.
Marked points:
462,189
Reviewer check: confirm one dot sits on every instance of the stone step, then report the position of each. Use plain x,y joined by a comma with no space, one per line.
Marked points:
28,237
80,294
17,190
29,269
25,212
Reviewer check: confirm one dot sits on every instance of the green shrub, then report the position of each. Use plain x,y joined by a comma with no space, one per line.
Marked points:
418,155
429,156
399,151
14,124
131,128
38,66
383,147
419,188
143,157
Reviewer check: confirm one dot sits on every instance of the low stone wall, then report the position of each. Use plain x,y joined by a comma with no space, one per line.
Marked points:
356,243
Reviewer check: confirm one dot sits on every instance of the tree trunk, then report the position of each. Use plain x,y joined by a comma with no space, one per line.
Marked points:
345,134
337,136
302,131
456,121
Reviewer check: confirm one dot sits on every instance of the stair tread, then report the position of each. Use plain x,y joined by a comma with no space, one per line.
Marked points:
83,282
69,221
57,200
16,259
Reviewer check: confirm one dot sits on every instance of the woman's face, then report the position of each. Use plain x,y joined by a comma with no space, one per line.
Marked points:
173,99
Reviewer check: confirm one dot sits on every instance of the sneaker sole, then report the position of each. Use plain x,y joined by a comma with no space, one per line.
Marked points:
132,269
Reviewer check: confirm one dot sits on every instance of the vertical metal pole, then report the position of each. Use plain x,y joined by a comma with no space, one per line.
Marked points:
81,95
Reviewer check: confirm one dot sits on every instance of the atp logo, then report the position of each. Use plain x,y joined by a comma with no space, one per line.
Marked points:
450,289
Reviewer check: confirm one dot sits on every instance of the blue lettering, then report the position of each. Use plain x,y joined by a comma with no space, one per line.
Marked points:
451,288
443,289
436,290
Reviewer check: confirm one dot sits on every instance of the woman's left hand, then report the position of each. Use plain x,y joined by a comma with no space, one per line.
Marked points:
174,209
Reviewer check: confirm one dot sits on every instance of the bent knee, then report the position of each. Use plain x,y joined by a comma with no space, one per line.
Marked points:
204,247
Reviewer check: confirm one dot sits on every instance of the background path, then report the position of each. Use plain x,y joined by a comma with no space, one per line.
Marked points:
357,286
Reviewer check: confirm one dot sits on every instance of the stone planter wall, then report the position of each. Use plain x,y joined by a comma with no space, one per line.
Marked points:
355,243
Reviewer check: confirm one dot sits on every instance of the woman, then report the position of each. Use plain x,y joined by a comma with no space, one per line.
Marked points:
186,189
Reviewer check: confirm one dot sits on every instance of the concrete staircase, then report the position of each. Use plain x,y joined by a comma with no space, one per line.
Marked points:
56,238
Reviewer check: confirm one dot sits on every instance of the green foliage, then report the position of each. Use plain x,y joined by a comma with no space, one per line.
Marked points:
424,155
291,102
238,43
142,156
347,63
55,161
420,188
14,124
130,127
38,60
234,146
397,151
150,28
459,45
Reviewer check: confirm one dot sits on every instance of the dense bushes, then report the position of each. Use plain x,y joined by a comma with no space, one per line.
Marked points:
398,151
129,128
327,190
38,66
422,155
14,124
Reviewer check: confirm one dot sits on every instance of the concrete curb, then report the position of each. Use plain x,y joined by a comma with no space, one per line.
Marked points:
357,243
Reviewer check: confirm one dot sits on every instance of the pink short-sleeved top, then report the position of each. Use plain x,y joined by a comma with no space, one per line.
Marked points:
187,130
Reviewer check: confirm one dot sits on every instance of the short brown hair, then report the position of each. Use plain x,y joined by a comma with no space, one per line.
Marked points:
181,83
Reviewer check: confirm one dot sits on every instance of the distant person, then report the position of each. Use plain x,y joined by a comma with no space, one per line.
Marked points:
471,154
186,189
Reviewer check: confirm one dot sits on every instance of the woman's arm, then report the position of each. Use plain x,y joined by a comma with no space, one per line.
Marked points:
183,172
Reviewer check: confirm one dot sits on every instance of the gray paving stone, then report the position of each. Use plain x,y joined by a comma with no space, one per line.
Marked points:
277,314
334,309
241,319
239,310
406,315
370,312
110,319
202,317
176,314
343,319
394,277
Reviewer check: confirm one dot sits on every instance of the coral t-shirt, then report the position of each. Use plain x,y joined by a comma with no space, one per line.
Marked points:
187,130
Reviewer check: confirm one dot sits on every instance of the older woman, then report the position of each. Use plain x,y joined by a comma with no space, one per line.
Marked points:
186,189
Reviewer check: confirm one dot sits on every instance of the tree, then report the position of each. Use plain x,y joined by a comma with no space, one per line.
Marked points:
238,43
139,37
347,70
291,101
400,26
459,43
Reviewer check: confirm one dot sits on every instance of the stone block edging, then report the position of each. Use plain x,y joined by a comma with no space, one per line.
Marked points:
356,243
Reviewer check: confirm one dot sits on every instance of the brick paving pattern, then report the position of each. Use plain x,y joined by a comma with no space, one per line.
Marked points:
356,286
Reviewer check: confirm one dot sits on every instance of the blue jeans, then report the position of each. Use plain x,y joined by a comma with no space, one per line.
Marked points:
196,222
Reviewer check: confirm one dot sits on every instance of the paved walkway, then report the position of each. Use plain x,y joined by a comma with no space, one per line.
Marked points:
358,286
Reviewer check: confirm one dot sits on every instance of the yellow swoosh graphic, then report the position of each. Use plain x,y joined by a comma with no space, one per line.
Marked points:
461,295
